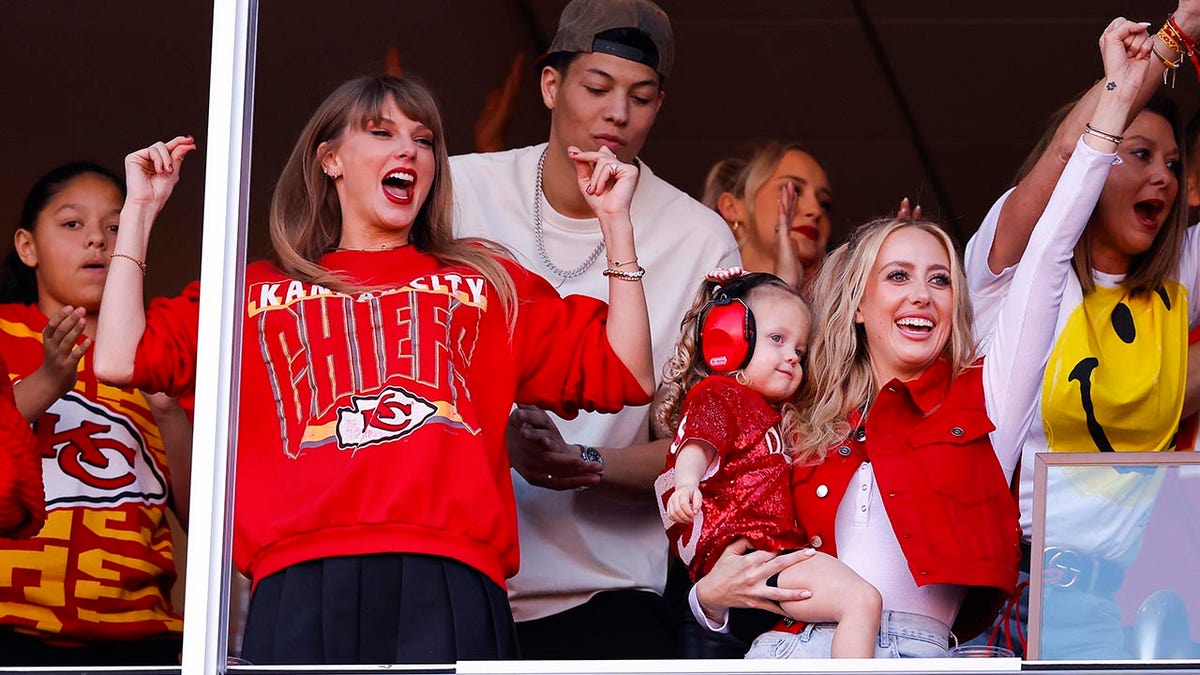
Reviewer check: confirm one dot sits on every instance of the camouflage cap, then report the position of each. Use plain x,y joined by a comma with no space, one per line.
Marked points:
582,20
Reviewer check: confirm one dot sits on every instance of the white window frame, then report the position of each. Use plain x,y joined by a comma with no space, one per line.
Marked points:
222,272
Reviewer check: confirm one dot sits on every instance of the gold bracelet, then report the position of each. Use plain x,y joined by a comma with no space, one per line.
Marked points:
618,263
626,276
140,263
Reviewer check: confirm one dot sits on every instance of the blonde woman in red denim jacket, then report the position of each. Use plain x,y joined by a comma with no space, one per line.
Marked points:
911,440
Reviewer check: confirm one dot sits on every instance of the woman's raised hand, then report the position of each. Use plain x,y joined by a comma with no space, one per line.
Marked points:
1125,50
606,182
151,173
787,267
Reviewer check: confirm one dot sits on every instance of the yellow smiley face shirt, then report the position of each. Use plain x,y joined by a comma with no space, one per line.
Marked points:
1115,380
1114,383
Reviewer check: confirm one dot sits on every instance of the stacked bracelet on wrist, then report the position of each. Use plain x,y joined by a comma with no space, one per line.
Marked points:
1173,37
1112,138
626,276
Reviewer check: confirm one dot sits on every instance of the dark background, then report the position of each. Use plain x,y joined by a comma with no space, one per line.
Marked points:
863,83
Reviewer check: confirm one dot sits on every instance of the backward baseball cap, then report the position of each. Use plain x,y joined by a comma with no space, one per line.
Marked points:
582,20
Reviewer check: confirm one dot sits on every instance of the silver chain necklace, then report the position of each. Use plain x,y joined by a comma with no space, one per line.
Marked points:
540,238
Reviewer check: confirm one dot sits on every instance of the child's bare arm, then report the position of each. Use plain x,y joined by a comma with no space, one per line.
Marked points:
693,458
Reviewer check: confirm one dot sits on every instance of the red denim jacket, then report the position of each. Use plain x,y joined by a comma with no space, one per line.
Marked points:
945,493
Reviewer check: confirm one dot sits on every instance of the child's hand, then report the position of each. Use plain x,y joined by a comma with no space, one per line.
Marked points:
722,274
684,503
60,364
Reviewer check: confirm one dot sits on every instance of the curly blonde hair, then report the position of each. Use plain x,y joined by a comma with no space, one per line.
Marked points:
840,377
686,367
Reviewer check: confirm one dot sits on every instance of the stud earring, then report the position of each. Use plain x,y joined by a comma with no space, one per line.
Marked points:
332,174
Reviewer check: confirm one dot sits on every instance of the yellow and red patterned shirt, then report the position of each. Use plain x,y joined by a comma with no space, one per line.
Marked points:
102,567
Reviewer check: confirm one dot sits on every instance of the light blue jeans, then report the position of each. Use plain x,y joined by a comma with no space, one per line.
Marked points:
1078,625
901,635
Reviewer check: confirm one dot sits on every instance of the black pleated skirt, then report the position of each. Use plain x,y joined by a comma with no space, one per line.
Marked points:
387,608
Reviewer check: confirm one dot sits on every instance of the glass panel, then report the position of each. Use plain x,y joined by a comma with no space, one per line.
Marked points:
93,81
1120,550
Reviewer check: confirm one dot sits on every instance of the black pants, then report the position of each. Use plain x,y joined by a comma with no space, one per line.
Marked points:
387,608
696,641
611,625
23,650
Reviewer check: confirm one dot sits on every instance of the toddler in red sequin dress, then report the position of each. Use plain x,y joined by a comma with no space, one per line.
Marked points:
729,396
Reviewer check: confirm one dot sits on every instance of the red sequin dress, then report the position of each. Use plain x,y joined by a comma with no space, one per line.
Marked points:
747,487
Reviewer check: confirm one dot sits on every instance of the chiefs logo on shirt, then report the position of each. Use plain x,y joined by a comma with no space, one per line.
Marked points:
93,455
391,414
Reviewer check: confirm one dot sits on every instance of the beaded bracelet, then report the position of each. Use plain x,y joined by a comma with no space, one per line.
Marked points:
140,263
626,276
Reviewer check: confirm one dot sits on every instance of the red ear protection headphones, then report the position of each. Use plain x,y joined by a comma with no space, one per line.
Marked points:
726,338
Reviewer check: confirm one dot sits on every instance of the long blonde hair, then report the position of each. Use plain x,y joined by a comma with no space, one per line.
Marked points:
306,218
840,378
686,368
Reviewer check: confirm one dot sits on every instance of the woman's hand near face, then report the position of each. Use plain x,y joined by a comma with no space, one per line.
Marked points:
787,267
739,579
151,173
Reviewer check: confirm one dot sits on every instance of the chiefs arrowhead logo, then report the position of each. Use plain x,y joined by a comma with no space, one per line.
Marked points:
95,455
389,415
